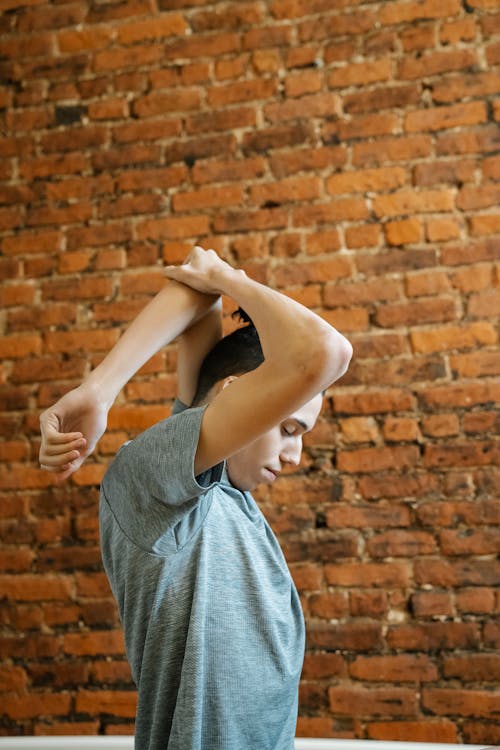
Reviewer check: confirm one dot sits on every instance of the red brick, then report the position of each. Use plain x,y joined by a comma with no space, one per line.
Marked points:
410,202
342,209
400,668
442,118
127,57
475,542
240,221
172,24
71,341
31,587
305,82
157,103
305,159
387,150
328,606
377,180
440,425
428,730
111,109
432,604
400,429
431,635
227,171
416,313
373,701
74,139
290,189
71,40
461,702
242,91
316,105
12,679
476,601
107,642
403,232
388,575
173,227
32,705
377,459
208,197
115,702
14,347
357,636
453,337
326,26
367,516
240,117
203,46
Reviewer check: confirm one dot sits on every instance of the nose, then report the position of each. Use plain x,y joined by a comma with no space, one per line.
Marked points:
292,453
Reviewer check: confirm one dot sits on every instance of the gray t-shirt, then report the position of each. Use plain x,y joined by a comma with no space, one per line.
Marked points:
213,625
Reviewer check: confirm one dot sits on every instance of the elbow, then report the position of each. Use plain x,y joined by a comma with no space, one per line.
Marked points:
343,356
319,358
332,358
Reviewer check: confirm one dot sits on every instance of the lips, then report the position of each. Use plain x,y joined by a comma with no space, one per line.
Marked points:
275,473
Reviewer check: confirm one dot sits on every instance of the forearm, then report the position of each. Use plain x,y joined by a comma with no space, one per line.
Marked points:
174,309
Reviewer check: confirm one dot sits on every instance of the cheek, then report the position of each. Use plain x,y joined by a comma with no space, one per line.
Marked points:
264,448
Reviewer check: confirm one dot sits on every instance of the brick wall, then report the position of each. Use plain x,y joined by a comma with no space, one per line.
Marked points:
346,152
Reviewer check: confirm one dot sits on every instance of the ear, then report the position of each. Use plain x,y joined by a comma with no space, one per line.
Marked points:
227,381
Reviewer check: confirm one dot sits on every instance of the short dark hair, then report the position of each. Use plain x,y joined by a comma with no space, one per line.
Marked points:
235,354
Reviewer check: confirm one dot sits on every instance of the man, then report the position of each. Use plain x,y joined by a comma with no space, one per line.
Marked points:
213,626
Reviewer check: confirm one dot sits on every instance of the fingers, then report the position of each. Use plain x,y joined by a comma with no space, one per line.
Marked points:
58,457
58,448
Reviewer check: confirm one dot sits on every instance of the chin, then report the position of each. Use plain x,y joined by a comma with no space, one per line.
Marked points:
241,484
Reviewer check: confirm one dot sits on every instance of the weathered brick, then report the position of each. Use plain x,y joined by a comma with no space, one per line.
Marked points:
453,337
428,730
400,668
373,701
301,145
116,702
461,703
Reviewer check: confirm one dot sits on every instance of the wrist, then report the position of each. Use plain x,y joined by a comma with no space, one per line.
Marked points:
102,388
230,281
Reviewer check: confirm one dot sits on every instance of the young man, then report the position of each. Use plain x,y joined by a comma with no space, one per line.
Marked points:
213,626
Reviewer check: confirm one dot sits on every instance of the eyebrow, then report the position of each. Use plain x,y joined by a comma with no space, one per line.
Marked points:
302,424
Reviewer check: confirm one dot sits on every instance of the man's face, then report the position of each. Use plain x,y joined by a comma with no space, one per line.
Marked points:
263,460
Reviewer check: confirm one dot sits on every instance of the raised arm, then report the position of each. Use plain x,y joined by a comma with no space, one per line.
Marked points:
72,427
192,347
303,355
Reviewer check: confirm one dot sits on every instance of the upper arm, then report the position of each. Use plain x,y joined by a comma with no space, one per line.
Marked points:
193,346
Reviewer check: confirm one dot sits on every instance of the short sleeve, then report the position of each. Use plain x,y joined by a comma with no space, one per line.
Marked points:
159,463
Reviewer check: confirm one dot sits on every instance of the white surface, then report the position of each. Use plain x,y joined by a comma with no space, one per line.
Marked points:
127,743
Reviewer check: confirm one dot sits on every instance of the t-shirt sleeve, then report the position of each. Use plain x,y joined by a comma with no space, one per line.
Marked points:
159,463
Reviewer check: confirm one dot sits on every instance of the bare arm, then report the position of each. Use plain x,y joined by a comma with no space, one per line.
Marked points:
72,427
193,346
303,356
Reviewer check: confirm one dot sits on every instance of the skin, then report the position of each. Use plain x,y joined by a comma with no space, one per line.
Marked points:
239,421
262,461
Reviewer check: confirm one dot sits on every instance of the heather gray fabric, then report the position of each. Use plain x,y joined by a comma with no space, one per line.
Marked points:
213,626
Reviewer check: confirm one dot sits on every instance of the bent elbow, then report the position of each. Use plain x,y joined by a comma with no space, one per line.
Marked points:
335,357
345,352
